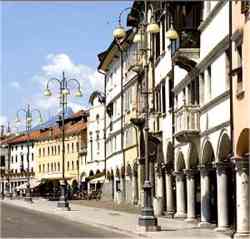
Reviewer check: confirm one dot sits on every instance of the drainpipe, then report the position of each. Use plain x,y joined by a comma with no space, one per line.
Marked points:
231,79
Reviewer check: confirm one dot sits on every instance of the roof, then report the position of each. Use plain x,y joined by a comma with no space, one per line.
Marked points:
73,126
106,57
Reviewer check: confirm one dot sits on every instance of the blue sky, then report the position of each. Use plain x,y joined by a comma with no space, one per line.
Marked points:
40,39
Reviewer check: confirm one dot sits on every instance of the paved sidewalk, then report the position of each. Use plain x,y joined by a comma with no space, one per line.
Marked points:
118,221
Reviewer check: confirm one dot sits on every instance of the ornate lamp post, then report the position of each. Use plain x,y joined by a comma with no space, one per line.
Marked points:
64,92
147,218
28,124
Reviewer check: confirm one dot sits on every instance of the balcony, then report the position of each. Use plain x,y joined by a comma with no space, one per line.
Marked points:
187,48
187,123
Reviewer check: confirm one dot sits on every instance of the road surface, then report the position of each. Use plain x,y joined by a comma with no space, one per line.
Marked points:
23,223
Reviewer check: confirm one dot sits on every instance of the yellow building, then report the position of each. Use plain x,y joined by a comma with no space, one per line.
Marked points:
48,150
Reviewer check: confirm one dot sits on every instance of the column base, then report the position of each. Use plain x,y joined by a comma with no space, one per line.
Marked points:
180,215
206,225
222,229
148,224
191,220
239,235
28,199
169,214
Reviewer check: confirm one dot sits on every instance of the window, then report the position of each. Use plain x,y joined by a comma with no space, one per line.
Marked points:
97,118
163,29
12,160
68,148
58,166
77,146
73,165
43,152
202,88
209,82
32,157
39,168
77,164
72,147
52,150
55,150
163,91
21,147
227,66
238,70
52,167
43,168
58,149
170,93
48,151
39,152
47,167
68,165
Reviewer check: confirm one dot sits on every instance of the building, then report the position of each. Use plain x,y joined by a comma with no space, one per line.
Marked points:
95,162
48,150
241,116
121,136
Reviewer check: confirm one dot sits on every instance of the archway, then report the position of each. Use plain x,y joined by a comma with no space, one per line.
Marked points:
224,148
243,143
194,177
207,160
225,182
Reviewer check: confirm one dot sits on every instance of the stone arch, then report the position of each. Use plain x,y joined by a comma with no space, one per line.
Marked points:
129,171
207,156
135,169
117,173
98,171
193,157
224,147
243,144
169,153
180,162
91,173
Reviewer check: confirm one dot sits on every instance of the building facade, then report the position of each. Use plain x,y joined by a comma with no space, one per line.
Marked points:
48,150
241,116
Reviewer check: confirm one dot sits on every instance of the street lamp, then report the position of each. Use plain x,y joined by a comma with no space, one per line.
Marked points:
147,218
28,124
64,93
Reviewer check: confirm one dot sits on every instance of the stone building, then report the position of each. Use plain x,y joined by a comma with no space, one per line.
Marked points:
193,113
241,113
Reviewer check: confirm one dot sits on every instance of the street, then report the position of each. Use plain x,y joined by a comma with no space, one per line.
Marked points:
22,223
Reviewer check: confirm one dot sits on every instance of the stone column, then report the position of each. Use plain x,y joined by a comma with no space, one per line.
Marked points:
242,198
205,198
222,197
190,176
170,194
180,196
134,189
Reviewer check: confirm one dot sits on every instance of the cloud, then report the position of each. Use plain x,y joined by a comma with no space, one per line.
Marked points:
89,79
15,84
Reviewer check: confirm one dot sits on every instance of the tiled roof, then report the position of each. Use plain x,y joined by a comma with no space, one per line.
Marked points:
53,132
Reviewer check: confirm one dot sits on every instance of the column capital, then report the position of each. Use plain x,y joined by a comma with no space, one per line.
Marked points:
190,173
179,175
241,164
204,169
221,166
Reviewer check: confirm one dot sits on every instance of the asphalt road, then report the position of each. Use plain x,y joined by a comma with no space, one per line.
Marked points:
23,223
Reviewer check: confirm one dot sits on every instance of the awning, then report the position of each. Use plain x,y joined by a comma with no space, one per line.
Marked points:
33,184
96,180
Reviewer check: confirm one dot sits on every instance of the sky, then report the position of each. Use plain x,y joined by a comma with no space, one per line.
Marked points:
39,40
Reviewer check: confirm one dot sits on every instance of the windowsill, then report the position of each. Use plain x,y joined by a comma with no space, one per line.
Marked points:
240,94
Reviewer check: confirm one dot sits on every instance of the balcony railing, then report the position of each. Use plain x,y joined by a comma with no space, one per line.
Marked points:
187,120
